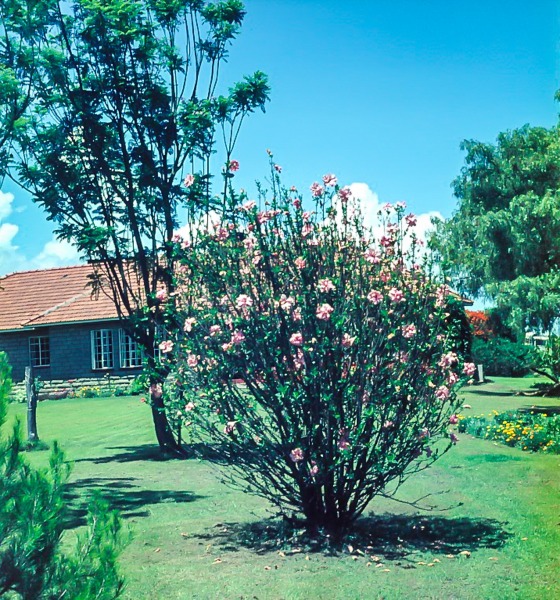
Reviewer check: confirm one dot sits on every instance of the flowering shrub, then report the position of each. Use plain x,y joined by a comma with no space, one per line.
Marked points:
342,340
529,431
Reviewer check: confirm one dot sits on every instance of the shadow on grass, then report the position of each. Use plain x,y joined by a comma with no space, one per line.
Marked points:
547,410
392,536
123,495
152,452
491,393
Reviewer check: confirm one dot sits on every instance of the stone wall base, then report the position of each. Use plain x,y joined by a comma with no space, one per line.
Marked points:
56,389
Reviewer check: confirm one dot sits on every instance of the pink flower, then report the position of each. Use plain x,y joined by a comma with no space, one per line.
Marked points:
215,330
237,337
388,425
396,295
249,205
177,238
348,340
250,242
409,331
227,347
400,205
189,180
233,166
230,426
317,190
300,262
296,339
453,419
161,295
297,203
286,302
330,180
372,256
469,369
452,378
166,346
296,315
314,470
448,360
192,361
386,241
410,220
343,442
442,393
306,230
454,439
278,168
188,326
296,455
375,297
190,406
344,194
326,285
243,301
299,360
324,312
424,433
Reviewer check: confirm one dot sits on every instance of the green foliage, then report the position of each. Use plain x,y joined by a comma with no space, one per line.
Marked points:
346,344
547,360
534,432
122,108
33,564
502,357
503,241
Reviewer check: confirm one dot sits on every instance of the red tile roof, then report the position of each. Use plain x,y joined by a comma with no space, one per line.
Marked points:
51,296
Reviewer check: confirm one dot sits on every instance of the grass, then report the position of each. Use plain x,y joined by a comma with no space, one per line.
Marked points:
195,538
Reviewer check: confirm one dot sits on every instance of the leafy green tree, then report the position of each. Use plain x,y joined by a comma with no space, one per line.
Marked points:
503,242
346,345
118,138
33,565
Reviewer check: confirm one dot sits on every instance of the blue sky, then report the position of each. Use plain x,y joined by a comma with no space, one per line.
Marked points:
379,92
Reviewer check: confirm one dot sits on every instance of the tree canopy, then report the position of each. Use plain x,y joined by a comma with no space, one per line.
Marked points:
503,242
117,135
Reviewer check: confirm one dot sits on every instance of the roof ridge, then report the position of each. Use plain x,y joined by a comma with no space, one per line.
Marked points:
55,308
43,270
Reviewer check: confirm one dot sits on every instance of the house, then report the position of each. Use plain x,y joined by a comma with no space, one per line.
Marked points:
51,321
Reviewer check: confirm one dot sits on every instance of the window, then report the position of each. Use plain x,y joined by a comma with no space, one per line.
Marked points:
102,349
131,355
40,351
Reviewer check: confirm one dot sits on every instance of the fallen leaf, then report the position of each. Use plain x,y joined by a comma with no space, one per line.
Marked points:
436,560
368,564
449,556
431,564
493,558
465,553
420,562
524,539
267,568
217,561
385,570
307,557
280,553
375,558
378,565
350,548
157,550
354,558
185,534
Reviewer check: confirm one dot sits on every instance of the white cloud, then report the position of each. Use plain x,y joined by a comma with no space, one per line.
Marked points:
6,200
368,202
54,253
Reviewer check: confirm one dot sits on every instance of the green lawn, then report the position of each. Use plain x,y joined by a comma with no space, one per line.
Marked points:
190,531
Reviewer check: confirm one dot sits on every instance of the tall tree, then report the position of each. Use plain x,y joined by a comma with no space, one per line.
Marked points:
503,242
117,141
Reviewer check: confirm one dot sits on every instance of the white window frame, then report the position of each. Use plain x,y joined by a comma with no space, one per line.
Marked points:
43,355
105,360
130,352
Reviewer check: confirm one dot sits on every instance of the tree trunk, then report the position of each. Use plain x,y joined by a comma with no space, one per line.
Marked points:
31,394
166,440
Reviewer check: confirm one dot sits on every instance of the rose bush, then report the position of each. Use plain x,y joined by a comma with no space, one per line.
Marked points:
318,358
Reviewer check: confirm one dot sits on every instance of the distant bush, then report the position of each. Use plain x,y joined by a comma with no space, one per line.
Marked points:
502,357
138,386
529,431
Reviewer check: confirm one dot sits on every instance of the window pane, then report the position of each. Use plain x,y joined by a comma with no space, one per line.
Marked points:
39,351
